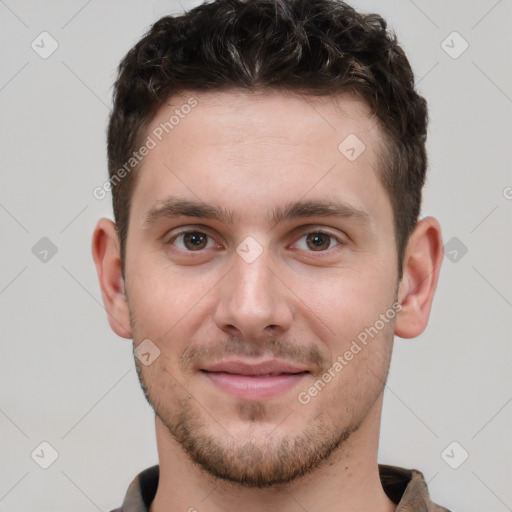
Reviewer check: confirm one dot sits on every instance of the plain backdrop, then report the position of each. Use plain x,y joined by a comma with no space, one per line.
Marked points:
66,379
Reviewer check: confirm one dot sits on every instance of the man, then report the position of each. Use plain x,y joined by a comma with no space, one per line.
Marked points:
266,162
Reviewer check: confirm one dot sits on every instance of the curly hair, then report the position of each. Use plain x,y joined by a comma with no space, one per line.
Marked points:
315,47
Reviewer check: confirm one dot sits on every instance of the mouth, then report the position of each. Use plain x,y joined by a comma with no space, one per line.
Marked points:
254,381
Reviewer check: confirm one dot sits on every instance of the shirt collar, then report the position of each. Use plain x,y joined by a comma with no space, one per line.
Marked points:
405,487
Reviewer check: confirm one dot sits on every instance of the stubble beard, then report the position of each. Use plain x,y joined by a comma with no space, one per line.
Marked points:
255,459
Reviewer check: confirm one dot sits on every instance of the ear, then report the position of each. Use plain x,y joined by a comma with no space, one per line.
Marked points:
106,254
422,263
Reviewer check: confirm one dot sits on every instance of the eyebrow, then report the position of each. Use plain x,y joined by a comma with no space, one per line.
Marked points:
318,208
177,207
172,207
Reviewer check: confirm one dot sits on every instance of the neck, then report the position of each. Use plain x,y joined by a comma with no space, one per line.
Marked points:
347,481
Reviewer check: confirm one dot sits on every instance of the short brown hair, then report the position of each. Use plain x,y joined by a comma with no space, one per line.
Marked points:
317,47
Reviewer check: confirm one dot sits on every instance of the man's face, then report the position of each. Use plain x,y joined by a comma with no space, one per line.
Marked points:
249,310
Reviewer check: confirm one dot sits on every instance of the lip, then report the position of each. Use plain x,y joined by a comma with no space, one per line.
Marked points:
254,381
273,366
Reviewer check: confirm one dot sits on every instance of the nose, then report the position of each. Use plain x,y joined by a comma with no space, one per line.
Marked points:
253,300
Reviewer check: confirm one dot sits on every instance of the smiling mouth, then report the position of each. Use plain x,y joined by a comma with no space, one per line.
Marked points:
256,375
258,386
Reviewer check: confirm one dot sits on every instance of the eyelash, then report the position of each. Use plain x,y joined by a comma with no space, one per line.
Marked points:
332,237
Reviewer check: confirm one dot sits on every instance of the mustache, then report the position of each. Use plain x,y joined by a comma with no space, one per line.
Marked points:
273,346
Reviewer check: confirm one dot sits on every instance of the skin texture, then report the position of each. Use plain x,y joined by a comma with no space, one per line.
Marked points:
254,154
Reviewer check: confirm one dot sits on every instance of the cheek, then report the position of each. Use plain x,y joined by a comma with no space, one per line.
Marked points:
349,303
163,302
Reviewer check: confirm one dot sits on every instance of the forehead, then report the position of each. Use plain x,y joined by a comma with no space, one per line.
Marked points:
260,113
253,149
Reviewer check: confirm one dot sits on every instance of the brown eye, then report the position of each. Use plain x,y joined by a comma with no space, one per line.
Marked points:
192,241
195,240
318,241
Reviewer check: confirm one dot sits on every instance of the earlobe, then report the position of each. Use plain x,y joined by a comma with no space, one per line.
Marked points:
106,255
421,268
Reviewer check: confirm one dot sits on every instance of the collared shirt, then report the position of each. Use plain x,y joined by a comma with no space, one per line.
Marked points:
405,487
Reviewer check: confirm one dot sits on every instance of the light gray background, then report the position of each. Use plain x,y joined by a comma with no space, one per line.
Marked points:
68,380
